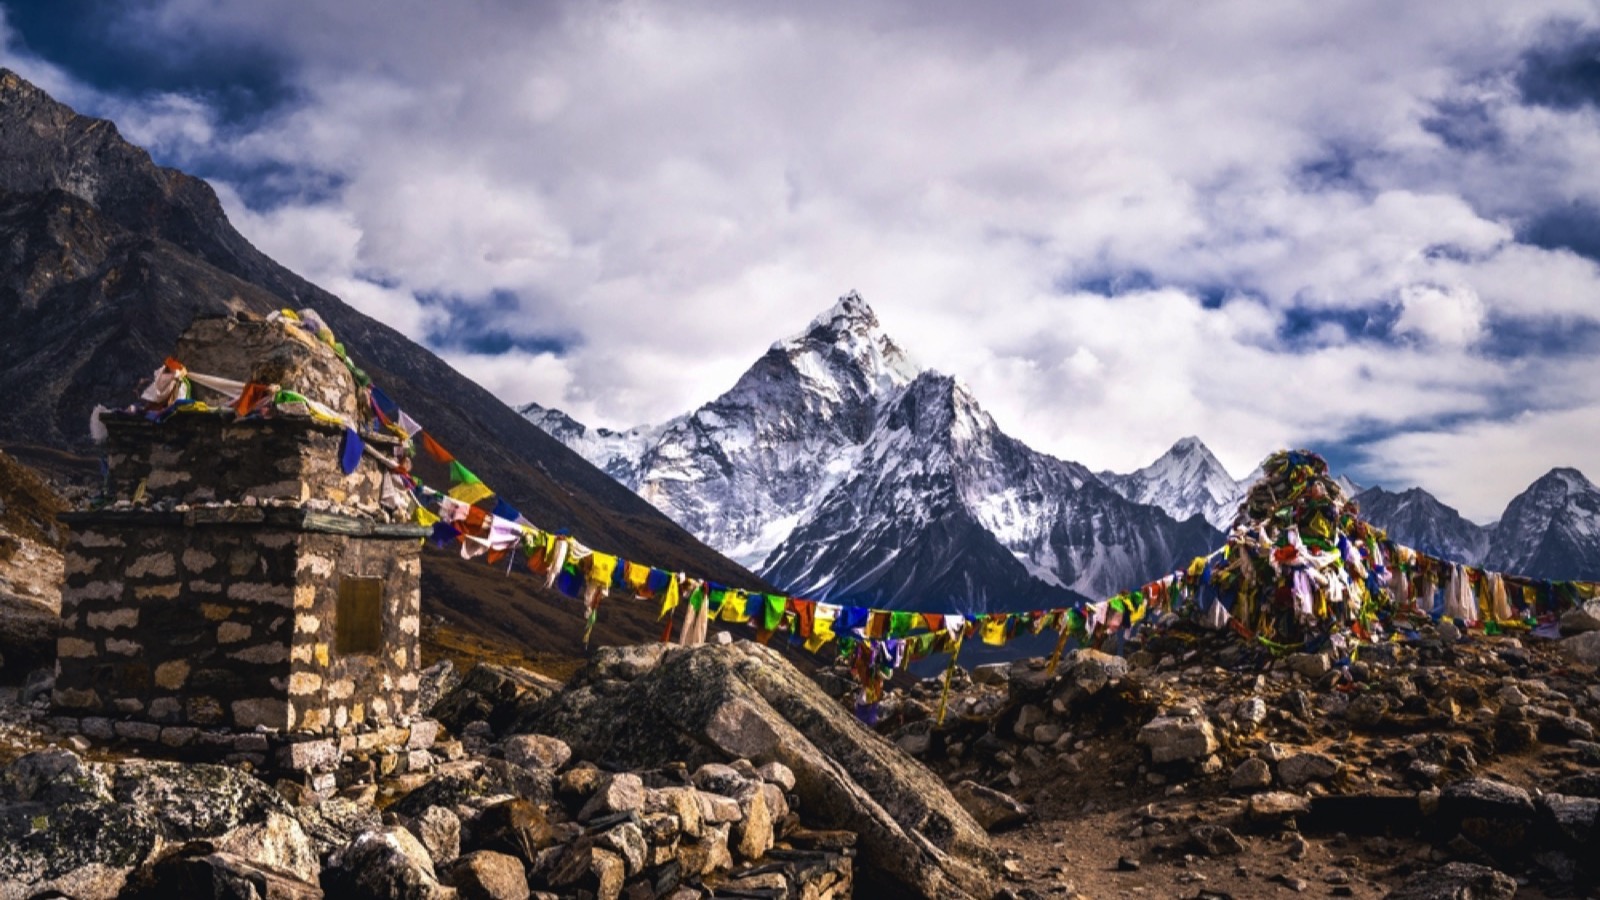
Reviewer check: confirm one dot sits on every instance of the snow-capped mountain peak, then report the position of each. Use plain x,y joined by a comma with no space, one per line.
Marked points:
1552,529
839,468
847,343
616,452
1187,480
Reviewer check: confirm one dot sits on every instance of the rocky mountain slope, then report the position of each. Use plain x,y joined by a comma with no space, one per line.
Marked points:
1551,530
105,257
1417,519
841,470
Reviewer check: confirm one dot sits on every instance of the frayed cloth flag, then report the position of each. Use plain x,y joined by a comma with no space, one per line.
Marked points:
444,534
772,613
467,488
433,449
350,451
504,510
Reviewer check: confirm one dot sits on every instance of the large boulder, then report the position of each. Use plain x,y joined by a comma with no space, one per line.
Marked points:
28,630
1582,618
388,864
487,875
1457,881
723,702
1178,737
81,828
1583,647
199,870
491,693
83,849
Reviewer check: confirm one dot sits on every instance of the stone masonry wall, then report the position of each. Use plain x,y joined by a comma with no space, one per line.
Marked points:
332,690
194,458
171,621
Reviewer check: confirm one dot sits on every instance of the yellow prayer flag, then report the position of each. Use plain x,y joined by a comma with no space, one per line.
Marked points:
733,607
669,597
471,492
601,567
994,631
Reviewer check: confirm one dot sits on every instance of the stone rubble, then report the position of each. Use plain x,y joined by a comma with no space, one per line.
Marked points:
1476,753
522,818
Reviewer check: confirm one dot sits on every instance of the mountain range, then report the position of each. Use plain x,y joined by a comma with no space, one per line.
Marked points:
105,257
835,466
838,468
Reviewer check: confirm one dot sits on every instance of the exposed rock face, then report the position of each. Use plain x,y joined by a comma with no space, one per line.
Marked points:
717,703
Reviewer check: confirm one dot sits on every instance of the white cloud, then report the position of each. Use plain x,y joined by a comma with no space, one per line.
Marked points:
1452,316
1479,467
670,187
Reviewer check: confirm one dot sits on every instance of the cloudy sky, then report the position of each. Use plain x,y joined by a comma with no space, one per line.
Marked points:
1369,228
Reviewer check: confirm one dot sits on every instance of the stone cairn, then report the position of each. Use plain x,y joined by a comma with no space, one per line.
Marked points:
235,594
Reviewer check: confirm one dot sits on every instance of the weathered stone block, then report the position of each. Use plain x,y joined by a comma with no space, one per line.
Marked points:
270,712
203,710
262,654
158,565
1174,738
178,735
126,617
97,727
310,755
75,648
138,731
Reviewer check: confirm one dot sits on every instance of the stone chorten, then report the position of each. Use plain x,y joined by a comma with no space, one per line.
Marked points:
241,593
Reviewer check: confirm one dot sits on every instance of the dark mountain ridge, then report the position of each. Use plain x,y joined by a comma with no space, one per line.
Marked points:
105,257
1417,519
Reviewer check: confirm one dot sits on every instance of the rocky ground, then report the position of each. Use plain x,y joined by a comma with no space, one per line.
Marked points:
1192,767
680,811
1196,768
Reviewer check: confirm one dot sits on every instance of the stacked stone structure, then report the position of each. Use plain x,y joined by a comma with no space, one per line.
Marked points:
239,592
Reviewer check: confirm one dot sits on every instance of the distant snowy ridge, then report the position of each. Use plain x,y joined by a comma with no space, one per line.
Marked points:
1185,481
1551,530
1415,518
